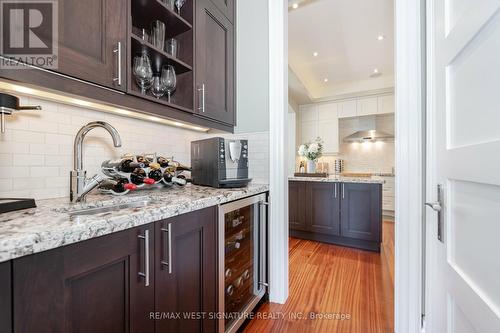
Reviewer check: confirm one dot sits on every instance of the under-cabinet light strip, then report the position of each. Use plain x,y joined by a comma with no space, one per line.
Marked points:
9,87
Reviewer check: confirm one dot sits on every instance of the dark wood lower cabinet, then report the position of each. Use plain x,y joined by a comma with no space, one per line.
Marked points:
93,286
105,285
186,277
296,203
6,297
348,214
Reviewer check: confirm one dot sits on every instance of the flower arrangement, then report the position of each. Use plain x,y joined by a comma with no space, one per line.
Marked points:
312,151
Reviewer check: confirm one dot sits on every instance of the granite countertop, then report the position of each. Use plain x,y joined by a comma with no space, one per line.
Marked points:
50,225
340,179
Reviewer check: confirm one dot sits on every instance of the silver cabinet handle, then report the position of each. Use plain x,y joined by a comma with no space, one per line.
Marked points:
202,90
343,190
168,246
335,195
118,52
145,274
437,206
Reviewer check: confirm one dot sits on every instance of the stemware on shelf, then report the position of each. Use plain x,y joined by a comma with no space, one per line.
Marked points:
143,71
170,80
179,4
158,87
170,4
158,34
173,47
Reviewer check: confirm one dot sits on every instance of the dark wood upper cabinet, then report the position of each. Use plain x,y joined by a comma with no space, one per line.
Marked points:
214,65
92,40
297,204
361,216
5,297
185,270
322,208
226,7
92,286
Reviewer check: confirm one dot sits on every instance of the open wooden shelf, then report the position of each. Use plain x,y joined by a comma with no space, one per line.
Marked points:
158,57
151,10
162,100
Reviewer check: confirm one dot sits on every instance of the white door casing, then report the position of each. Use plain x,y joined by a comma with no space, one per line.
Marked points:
463,293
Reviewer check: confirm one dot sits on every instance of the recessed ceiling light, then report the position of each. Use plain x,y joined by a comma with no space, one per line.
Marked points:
325,79
375,71
381,37
295,6
315,54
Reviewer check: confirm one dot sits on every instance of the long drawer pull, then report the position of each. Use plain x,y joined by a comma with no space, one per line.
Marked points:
168,246
145,274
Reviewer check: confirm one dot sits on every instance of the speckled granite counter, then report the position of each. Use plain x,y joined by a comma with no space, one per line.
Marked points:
340,179
50,226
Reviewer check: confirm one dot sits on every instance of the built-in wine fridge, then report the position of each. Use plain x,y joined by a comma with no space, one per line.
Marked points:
242,259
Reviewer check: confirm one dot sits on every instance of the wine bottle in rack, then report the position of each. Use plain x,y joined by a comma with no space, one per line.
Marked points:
125,165
117,186
139,177
162,161
155,172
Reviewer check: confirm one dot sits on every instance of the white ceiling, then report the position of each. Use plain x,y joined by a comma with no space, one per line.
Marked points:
344,33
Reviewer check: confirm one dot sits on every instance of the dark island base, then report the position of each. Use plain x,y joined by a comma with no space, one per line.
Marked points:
337,240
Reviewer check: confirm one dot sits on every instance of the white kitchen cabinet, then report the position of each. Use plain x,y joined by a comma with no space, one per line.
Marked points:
309,113
366,106
328,111
328,130
308,131
385,104
347,109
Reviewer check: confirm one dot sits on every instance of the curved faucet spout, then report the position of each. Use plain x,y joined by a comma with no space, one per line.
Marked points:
80,186
78,150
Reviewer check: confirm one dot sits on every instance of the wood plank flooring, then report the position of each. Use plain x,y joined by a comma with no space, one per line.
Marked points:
333,280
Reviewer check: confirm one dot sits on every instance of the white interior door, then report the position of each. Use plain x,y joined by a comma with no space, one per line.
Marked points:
463,281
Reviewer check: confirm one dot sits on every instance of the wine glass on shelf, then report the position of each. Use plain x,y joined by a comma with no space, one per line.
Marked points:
169,79
143,72
179,4
158,87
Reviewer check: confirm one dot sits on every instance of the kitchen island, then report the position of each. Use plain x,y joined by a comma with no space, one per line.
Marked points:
340,210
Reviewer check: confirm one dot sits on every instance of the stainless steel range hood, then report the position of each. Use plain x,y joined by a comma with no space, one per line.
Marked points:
367,131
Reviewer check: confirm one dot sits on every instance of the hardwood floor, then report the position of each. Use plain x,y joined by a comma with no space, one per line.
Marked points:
333,280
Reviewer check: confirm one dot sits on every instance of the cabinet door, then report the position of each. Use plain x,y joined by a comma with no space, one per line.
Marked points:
214,67
386,104
185,270
5,297
308,131
366,106
226,7
328,131
322,208
89,33
361,211
92,286
308,113
296,205
347,109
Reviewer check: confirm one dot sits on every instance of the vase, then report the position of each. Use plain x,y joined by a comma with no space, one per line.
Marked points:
311,166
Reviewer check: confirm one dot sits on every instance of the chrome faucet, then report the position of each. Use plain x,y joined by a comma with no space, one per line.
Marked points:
80,186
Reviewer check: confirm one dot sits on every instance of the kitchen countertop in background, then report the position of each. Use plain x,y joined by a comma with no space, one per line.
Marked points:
50,226
340,179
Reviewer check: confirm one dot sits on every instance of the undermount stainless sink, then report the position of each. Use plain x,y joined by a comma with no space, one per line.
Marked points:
110,208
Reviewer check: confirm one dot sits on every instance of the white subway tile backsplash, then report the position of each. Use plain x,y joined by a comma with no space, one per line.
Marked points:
36,152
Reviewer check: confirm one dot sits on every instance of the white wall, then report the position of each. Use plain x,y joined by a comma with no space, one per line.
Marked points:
252,65
36,150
